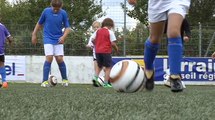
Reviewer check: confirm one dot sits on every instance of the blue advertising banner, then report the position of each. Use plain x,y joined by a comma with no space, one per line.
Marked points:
193,69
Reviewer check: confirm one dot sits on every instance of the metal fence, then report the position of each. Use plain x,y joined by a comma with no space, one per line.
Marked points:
201,43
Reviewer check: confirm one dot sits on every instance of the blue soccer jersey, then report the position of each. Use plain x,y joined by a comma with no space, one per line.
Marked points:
4,33
53,24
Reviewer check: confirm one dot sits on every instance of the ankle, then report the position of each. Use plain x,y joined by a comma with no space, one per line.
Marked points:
175,76
149,73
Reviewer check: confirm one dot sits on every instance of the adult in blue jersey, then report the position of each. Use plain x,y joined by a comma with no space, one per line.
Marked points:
53,20
4,35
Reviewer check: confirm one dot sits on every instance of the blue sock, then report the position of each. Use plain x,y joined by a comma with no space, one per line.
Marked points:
150,51
46,70
175,55
62,67
3,74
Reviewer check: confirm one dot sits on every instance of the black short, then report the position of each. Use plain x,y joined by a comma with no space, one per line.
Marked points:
104,59
2,58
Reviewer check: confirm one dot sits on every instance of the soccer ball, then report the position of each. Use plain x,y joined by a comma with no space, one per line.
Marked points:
127,76
132,2
101,80
52,80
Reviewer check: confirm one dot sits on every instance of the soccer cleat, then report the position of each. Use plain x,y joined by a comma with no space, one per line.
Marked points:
4,85
176,85
149,82
65,83
95,82
167,83
107,85
45,84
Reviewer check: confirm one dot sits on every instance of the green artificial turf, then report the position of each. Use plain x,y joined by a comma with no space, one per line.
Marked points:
28,101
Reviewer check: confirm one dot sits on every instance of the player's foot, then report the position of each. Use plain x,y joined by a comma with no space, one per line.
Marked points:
149,82
65,83
4,85
167,83
175,84
95,82
45,84
107,85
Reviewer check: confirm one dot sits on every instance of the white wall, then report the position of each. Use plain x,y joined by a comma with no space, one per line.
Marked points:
79,69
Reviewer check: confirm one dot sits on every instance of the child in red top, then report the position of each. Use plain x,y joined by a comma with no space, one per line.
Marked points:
104,40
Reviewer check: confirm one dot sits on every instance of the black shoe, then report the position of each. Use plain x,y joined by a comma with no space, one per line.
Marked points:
149,83
176,85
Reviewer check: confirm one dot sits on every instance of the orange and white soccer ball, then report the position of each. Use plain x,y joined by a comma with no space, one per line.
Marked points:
52,80
127,76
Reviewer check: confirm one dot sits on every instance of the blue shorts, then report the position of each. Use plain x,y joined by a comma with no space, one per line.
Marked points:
104,59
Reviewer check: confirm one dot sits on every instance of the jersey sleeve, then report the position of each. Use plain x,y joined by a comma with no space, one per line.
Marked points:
66,20
42,18
6,32
93,36
112,36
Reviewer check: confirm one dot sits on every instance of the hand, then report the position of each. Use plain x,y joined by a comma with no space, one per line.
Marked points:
186,39
10,39
213,55
89,46
34,39
61,40
117,51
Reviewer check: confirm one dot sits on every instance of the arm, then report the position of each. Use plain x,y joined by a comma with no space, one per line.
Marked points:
114,45
187,31
113,41
10,39
90,44
67,28
37,28
93,37
8,35
65,34
34,33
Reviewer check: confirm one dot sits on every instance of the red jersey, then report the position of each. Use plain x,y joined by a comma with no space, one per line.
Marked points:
103,39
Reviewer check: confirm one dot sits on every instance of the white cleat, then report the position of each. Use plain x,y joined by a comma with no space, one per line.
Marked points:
65,83
45,84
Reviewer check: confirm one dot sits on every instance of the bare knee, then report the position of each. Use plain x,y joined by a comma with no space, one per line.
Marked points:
173,33
49,58
59,59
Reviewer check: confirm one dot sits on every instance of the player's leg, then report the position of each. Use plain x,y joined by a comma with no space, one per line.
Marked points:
48,49
98,70
107,64
175,48
95,62
3,71
59,53
157,24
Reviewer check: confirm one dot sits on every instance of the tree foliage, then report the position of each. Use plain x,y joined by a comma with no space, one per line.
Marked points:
138,12
81,13
22,16
200,11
